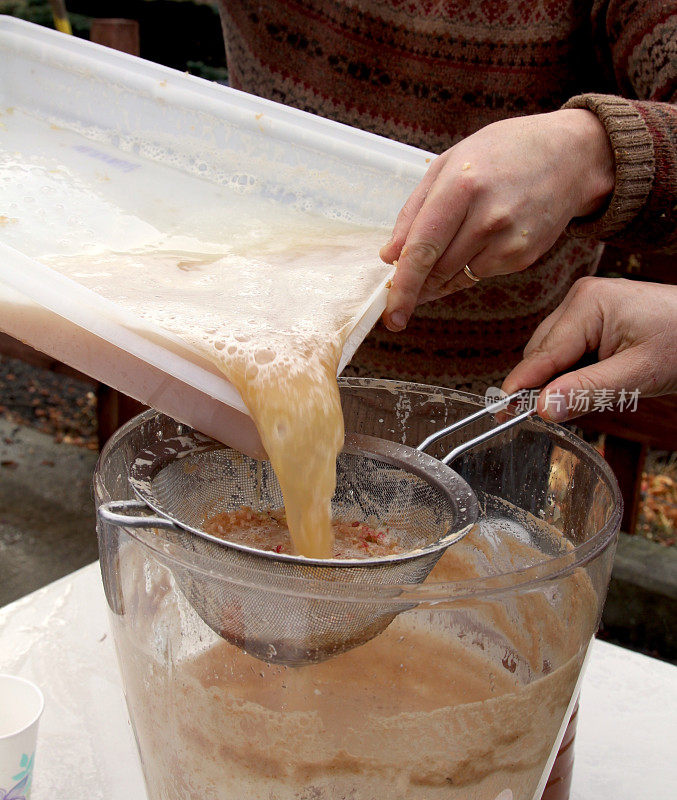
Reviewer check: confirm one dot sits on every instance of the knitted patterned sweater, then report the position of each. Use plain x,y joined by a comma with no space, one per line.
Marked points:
430,72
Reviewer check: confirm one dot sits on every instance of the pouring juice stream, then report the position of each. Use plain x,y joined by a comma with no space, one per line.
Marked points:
275,325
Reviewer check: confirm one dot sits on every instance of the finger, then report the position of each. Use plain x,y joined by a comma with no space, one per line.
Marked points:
437,222
391,250
576,393
575,333
548,323
574,294
486,246
506,250
544,329
459,280
448,275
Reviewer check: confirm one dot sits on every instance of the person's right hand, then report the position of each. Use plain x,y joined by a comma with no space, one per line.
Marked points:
494,203
632,325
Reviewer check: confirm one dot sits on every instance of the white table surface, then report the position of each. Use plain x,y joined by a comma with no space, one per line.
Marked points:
626,746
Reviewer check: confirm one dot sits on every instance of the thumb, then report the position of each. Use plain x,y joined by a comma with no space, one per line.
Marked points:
615,382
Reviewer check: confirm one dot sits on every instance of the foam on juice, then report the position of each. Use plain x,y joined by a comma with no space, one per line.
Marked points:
272,311
264,290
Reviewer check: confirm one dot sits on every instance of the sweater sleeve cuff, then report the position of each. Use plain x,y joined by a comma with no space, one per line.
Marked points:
633,151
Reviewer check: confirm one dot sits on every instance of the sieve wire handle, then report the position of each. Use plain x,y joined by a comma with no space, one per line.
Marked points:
483,437
499,405
125,513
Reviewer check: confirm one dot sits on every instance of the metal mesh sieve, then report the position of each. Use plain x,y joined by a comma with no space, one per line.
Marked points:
189,479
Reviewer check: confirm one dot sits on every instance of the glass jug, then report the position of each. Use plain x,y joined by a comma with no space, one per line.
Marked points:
467,693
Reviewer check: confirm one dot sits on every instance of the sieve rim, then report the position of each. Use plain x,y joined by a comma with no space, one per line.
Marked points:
435,592
151,460
403,595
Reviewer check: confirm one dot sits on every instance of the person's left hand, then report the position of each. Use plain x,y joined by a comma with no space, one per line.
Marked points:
631,325
496,201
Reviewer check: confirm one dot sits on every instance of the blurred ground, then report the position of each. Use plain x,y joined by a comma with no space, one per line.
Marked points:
47,521
47,455
658,517
55,404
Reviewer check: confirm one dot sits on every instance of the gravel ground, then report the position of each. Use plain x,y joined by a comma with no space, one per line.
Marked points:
48,448
47,520
55,404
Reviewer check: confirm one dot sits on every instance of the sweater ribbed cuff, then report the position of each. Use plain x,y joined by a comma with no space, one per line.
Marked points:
633,151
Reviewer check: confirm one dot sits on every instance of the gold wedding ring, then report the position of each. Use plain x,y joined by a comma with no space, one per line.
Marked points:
470,274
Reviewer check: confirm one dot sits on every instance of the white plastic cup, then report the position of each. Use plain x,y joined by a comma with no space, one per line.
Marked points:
21,704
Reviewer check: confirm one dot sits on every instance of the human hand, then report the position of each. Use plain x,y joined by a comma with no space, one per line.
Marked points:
632,325
496,201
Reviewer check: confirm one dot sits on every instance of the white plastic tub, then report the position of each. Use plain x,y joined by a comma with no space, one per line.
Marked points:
155,142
